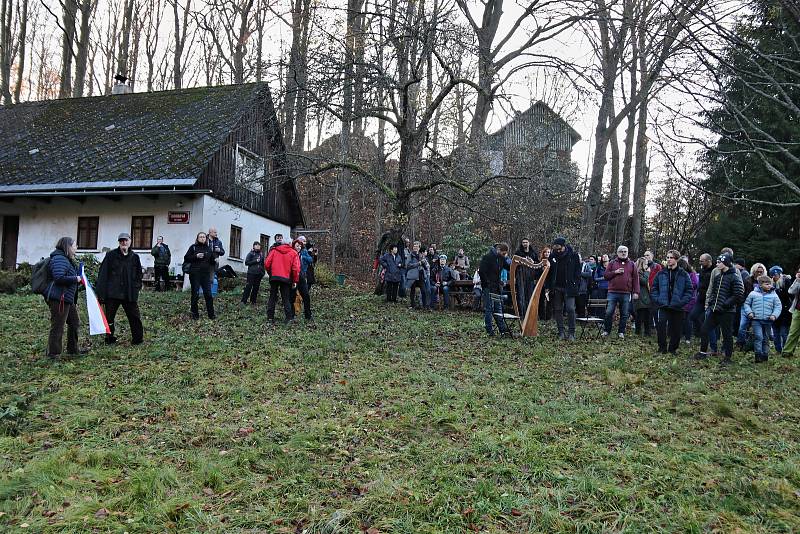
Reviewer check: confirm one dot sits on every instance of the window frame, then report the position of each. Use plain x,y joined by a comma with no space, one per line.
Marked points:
235,248
264,239
78,241
134,245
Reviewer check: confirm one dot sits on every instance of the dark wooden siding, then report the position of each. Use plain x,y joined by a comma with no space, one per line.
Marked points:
258,132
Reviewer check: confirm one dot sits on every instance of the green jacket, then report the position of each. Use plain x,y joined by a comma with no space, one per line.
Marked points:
644,292
162,255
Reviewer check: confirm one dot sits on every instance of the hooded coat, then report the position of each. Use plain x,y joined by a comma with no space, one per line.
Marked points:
283,264
64,285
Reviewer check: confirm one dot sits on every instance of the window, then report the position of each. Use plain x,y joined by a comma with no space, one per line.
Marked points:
264,240
87,232
236,242
249,170
142,232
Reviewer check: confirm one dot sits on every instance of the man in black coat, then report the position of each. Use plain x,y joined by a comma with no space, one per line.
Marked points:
566,279
118,284
489,271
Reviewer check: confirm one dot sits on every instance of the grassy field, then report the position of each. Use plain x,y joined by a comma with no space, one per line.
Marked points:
380,419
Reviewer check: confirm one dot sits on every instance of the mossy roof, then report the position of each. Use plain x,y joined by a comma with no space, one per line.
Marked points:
142,138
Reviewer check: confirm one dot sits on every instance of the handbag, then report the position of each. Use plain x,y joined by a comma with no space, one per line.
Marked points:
186,267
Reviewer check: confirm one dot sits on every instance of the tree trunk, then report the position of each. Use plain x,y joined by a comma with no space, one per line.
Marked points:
613,200
68,36
23,38
82,58
125,38
6,46
640,180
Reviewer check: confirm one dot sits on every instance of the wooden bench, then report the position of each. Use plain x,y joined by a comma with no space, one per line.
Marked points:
461,293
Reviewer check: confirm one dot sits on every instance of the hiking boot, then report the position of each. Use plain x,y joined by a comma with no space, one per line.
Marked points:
726,362
621,335
110,340
700,356
603,334
571,337
561,336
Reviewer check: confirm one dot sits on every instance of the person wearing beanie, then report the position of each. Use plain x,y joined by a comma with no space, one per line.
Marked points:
118,284
763,307
565,284
725,290
780,328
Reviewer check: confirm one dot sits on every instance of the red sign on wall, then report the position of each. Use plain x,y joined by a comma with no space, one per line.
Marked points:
178,217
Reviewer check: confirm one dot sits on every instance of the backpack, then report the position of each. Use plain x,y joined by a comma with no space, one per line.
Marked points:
41,277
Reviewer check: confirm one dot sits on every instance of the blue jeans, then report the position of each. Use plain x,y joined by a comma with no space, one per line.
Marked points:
780,333
761,329
435,295
624,301
489,309
744,325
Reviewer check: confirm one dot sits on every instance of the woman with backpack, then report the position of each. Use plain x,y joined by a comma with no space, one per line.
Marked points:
61,296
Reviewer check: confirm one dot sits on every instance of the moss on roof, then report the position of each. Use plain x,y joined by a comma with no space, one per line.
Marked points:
140,136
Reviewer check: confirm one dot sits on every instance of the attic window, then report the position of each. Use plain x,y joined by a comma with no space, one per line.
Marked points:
33,151
110,127
249,170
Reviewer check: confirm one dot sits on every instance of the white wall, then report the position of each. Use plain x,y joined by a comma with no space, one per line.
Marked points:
222,216
42,224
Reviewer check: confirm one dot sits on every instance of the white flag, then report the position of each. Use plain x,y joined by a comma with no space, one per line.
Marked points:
97,319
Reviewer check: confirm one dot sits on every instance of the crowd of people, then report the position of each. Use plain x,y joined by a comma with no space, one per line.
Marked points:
289,267
720,299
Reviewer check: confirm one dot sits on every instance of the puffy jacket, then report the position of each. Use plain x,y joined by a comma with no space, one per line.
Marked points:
681,289
120,276
306,261
725,291
600,281
414,269
283,264
162,255
64,286
625,282
695,283
200,265
392,267
762,305
255,262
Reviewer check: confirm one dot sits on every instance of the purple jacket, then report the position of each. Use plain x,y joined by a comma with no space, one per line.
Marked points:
627,282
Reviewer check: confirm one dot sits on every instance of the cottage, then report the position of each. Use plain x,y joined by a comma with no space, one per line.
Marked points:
169,163
535,140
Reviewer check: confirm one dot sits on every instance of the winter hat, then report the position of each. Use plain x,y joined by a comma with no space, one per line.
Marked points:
560,241
302,239
726,260
775,269
739,261
443,257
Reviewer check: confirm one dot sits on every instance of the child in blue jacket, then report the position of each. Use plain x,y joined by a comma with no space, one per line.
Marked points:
763,307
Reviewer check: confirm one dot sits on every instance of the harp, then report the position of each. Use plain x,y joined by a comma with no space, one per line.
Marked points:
530,323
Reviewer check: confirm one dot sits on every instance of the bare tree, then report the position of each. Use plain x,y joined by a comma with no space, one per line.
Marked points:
181,30
229,24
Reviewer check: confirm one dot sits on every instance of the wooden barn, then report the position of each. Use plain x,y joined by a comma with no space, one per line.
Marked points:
169,163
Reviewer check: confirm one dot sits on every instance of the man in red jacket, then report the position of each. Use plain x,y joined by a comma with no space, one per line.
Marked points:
283,267
623,281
